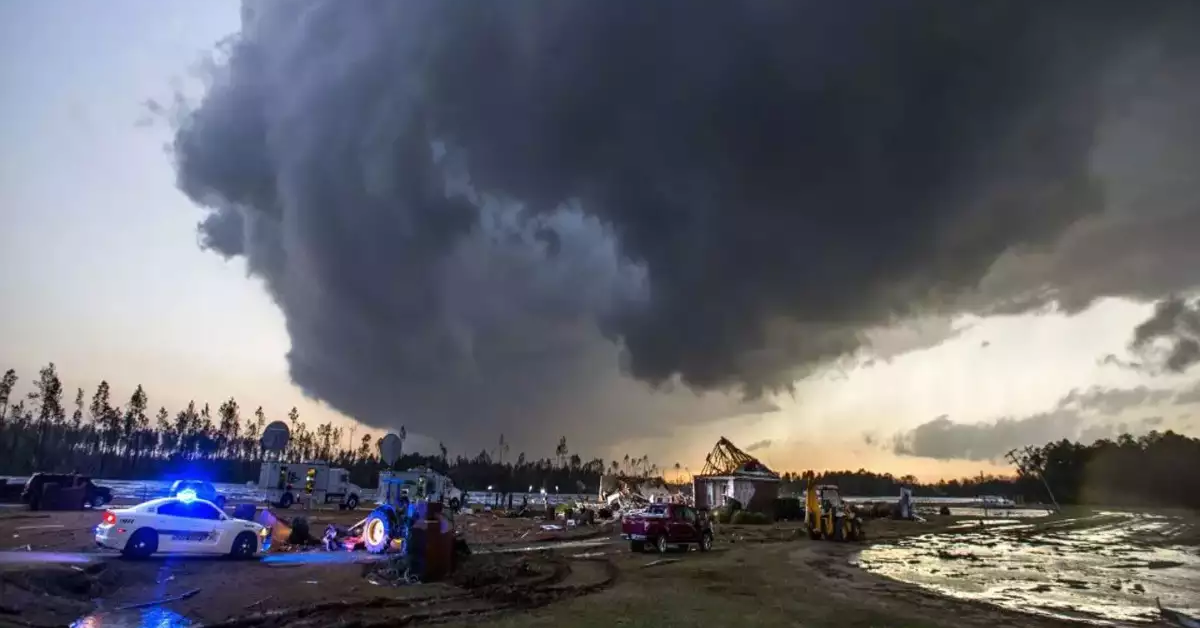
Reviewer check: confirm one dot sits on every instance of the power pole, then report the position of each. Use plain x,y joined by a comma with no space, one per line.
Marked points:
1023,466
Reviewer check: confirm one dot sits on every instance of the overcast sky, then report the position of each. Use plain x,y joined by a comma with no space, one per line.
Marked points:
103,275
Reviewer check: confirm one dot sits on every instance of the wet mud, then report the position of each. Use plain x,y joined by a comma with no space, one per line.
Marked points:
1106,568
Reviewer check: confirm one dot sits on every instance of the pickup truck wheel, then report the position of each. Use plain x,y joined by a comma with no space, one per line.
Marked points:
660,544
706,542
637,547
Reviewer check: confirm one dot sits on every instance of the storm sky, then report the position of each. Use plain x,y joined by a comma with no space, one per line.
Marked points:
616,220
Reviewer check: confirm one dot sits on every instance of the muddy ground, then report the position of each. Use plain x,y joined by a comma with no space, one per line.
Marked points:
1098,567
756,575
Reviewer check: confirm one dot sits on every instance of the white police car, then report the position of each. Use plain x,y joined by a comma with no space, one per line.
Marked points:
180,525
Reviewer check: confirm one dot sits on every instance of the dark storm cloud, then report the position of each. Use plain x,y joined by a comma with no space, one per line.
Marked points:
1170,338
1113,401
473,214
1084,415
1146,157
945,439
1191,395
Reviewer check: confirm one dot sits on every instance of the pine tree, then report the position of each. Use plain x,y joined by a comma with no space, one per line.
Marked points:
77,415
7,384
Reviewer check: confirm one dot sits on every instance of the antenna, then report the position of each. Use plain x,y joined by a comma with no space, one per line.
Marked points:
389,449
275,437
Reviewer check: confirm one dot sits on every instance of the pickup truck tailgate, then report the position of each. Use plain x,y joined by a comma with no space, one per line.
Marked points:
638,527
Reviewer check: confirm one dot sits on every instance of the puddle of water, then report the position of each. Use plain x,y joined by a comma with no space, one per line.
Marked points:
1099,574
995,513
145,618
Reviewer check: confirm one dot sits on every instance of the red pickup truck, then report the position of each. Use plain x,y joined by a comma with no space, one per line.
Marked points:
662,525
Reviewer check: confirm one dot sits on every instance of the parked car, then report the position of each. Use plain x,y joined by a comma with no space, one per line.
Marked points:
93,495
173,525
663,525
199,490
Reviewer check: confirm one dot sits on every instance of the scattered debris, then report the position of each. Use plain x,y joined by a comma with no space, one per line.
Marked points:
330,540
394,571
259,603
1175,617
661,561
175,598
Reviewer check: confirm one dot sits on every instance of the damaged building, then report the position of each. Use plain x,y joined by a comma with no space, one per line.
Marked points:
730,473
626,492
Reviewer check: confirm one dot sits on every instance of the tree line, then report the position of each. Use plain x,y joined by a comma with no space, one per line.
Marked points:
864,483
103,437
1159,469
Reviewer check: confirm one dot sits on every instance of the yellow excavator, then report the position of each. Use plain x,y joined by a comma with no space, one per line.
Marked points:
826,516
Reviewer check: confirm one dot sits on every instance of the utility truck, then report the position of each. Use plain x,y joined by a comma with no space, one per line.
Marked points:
312,484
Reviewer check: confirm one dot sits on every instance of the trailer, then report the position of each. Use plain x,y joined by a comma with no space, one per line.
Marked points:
313,484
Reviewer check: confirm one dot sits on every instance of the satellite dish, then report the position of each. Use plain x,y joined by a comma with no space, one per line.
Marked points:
275,436
389,449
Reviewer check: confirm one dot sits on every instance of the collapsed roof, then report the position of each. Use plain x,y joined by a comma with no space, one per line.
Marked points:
727,459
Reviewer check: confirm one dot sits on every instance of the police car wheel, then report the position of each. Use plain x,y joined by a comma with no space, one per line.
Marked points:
243,545
98,501
141,544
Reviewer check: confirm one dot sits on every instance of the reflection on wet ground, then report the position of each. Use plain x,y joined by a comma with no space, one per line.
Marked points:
145,618
1105,568
23,557
319,558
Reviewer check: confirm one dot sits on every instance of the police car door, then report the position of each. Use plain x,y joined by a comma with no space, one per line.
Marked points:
189,527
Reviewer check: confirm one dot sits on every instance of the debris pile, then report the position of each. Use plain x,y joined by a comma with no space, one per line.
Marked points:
394,571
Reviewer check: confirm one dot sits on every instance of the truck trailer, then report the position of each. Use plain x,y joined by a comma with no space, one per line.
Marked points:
312,484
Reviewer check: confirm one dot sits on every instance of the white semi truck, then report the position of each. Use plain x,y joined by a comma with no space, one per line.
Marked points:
311,484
